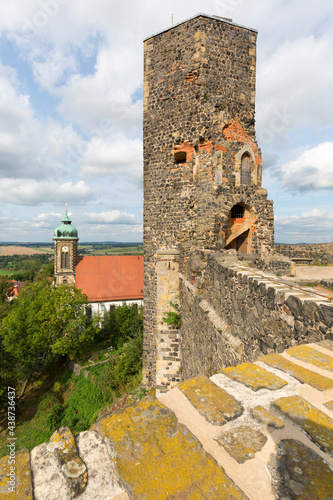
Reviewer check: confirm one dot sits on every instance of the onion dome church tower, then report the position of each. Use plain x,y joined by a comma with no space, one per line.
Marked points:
65,252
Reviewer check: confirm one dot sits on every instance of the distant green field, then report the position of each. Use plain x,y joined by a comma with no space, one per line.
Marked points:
4,272
43,249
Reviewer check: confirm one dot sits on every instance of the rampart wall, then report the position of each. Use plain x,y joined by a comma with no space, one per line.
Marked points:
232,313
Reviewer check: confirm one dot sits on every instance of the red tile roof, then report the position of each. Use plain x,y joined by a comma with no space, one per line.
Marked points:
110,277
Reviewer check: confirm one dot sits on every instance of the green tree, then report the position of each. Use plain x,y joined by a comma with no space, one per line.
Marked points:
122,323
44,324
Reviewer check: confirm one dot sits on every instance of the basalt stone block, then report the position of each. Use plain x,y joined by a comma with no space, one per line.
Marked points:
298,472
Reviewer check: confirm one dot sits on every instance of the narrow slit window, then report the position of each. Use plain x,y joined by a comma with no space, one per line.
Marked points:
245,170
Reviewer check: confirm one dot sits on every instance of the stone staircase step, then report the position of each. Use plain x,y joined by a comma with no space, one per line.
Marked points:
310,355
212,402
304,375
316,424
254,376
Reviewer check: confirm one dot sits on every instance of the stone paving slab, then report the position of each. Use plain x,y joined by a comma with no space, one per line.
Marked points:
264,416
212,402
329,405
328,344
23,481
310,355
304,375
254,376
242,442
315,423
299,473
157,458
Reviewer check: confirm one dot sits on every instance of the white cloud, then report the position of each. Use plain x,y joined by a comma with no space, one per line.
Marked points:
311,226
122,157
32,192
313,169
113,217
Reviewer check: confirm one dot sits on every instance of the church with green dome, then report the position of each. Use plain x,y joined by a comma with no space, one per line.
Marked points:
65,251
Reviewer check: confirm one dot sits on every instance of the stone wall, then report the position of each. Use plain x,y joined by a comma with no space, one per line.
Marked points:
232,313
321,253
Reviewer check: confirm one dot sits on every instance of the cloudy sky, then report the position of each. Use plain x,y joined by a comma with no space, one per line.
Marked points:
71,112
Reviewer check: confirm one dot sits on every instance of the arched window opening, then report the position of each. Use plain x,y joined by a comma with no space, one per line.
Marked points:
180,157
245,170
64,260
237,212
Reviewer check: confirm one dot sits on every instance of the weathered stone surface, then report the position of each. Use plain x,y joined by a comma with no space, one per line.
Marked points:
212,402
103,482
49,482
266,417
62,444
149,447
302,374
254,376
311,355
15,477
329,405
316,424
328,344
299,473
242,442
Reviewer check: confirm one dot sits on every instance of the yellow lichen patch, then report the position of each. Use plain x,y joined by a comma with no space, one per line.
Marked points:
264,416
254,376
242,442
299,473
212,402
310,355
317,425
305,376
16,474
158,458
329,405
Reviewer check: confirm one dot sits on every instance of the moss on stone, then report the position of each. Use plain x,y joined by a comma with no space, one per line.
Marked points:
254,376
305,376
212,402
317,425
158,458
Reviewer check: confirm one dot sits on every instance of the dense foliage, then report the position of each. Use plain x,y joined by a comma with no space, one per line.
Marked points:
43,324
27,267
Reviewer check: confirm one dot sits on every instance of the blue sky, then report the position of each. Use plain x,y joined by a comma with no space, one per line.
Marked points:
71,112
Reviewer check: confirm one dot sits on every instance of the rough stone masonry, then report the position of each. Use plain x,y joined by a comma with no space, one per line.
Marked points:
202,164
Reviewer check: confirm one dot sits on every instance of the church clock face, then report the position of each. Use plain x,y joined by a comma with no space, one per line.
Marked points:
65,248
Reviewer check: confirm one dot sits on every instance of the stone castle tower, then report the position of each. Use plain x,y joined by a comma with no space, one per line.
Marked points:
202,164
65,252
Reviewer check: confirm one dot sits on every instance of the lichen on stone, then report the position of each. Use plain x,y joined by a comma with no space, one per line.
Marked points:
254,376
242,442
310,355
212,402
315,423
298,472
265,416
304,375
150,446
